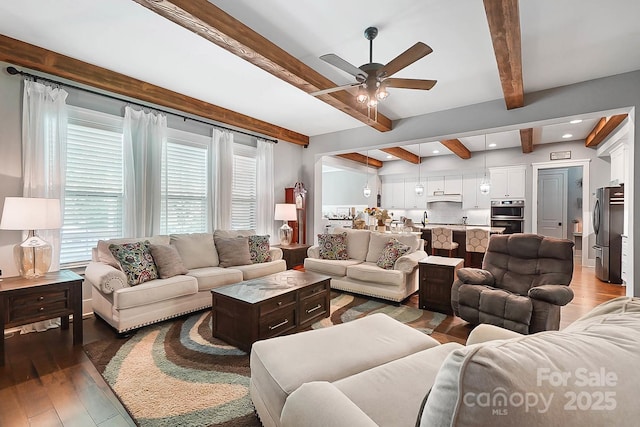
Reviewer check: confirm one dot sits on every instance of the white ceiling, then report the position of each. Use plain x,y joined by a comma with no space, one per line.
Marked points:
563,42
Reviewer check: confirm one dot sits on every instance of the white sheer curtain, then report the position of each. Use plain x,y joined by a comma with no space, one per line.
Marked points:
144,136
44,141
264,189
223,178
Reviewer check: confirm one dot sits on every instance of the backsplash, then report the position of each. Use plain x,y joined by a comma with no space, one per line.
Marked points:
446,213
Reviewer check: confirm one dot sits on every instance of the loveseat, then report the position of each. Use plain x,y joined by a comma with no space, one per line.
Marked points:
360,272
188,266
378,373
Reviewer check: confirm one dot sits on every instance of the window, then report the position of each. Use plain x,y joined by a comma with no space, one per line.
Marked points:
93,202
243,200
185,196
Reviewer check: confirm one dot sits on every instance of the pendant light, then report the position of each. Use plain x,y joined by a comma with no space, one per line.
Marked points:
485,184
366,191
419,187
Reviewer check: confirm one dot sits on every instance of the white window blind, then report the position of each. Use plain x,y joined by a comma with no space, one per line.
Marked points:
185,196
93,202
243,200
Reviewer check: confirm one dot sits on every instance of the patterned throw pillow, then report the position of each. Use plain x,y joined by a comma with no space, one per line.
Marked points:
333,246
259,249
391,252
136,261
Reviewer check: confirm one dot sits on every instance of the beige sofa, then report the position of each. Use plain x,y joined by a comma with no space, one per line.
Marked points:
378,373
127,307
361,275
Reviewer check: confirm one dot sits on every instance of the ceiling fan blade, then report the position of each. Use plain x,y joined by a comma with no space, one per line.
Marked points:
335,89
406,58
345,66
410,83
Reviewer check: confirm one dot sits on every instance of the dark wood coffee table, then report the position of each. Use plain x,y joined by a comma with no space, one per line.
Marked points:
277,304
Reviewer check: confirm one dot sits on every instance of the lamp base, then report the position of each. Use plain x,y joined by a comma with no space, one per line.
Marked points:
32,257
286,234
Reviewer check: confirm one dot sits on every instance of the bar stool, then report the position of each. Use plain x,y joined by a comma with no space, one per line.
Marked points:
442,238
477,240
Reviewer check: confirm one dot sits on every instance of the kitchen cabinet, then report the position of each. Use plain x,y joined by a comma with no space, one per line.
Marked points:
508,182
448,184
411,200
393,195
618,164
624,271
472,198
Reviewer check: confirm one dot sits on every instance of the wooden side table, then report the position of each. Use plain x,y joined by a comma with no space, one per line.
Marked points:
294,254
436,277
56,294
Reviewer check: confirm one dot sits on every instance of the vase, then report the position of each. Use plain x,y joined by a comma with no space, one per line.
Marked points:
382,228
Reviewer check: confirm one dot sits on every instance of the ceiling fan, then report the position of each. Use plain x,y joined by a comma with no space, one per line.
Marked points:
373,78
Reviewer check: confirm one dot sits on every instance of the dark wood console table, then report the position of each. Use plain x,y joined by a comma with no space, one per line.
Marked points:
56,294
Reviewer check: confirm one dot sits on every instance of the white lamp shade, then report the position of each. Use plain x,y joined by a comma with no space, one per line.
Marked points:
30,213
285,212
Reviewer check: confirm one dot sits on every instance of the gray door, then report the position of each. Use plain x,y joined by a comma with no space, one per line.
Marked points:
552,203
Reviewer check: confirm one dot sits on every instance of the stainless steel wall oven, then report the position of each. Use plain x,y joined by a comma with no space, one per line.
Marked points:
508,214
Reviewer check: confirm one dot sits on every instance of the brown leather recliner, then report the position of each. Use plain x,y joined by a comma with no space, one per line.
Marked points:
523,282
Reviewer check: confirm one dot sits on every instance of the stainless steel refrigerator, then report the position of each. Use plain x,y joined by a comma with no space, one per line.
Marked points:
608,225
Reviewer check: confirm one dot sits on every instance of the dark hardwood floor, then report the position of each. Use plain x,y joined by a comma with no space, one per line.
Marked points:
48,382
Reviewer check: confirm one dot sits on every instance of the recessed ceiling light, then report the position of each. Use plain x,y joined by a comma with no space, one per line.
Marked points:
389,156
493,144
436,151
567,135
576,121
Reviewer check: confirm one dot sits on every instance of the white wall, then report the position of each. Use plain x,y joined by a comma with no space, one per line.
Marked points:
287,156
591,99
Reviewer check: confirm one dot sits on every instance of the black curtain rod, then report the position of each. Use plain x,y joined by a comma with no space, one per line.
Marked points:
13,71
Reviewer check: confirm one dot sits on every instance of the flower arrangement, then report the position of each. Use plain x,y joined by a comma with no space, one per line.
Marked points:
380,214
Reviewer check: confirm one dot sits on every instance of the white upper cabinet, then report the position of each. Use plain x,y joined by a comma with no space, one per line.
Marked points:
393,195
453,184
472,198
618,164
449,184
508,182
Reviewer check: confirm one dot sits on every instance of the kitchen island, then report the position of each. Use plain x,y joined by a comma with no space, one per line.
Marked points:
459,236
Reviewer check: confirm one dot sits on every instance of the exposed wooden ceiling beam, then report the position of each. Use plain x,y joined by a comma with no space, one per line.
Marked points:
403,154
220,28
504,25
36,58
603,129
526,140
357,157
457,147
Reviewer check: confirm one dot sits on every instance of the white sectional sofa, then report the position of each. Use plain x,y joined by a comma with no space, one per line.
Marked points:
360,274
376,371
126,307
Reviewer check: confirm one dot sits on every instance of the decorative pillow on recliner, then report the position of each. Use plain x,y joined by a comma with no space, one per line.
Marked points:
233,252
167,260
390,254
333,246
136,261
259,249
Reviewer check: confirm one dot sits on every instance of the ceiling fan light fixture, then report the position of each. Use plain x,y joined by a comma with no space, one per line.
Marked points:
362,96
382,93
373,102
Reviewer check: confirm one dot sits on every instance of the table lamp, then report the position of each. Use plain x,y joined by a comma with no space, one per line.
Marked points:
286,212
33,256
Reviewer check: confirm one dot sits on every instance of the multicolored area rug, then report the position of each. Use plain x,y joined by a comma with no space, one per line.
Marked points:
176,374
